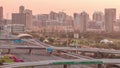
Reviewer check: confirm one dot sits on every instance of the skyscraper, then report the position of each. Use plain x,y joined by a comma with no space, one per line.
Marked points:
98,16
84,18
28,18
110,17
1,13
76,21
61,17
19,18
21,9
23,17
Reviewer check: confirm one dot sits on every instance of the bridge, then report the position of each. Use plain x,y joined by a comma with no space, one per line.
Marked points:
40,45
100,62
91,50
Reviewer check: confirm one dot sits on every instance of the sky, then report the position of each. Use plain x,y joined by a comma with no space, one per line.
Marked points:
68,6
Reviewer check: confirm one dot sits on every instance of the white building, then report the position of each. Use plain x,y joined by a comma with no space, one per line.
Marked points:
15,28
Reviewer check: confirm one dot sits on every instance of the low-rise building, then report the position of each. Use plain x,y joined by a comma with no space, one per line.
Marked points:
14,28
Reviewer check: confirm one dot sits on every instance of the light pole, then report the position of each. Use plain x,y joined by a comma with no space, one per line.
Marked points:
67,36
76,36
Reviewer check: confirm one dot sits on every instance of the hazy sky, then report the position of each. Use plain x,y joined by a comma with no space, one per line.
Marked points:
69,6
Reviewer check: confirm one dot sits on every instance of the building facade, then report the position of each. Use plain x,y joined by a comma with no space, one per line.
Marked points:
29,19
110,17
98,18
84,18
19,18
21,9
24,17
76,22
1,13
14,28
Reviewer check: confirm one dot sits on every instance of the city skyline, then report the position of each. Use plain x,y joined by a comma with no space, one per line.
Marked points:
69,7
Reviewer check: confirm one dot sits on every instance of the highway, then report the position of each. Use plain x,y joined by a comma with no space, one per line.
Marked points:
17,49
93,50
34,44
62,62
89,50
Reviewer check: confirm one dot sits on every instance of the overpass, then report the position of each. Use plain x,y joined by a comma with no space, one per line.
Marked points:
44,46
39,44
8,39
90,50
99,62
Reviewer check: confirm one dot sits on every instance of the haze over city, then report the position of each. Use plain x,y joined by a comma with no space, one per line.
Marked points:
68,6
60,33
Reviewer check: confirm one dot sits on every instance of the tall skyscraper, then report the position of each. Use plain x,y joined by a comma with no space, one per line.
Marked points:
21,9
110,17
98,16
76,21
84,18
1,13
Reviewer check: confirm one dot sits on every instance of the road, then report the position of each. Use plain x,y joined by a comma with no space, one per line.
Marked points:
41,55
37,55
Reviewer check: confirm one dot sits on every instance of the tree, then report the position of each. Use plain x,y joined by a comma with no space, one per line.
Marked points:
41,39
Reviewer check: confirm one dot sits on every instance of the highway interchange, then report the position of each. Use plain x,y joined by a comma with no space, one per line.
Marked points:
38,56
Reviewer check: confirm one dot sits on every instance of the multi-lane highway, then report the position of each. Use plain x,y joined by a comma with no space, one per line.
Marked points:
63,62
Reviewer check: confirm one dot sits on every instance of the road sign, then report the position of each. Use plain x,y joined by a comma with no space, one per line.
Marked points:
18,41
76,35
49,49
81,62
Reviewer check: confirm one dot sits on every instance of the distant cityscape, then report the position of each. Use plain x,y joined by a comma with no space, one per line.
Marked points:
25,21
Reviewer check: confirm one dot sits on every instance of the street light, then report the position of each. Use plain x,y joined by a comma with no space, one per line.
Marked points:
67,35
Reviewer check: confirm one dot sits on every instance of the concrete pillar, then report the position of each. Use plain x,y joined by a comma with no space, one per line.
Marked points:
104,66
59,52
64,66
30,51
98,55
8,51
82,53
99,66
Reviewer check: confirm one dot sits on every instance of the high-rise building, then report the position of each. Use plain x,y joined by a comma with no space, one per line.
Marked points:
1,13
21,9
61,17
76,21
19,18
53,15
110,17
98,16
28,18
23,17
42,18
98,19
84,18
